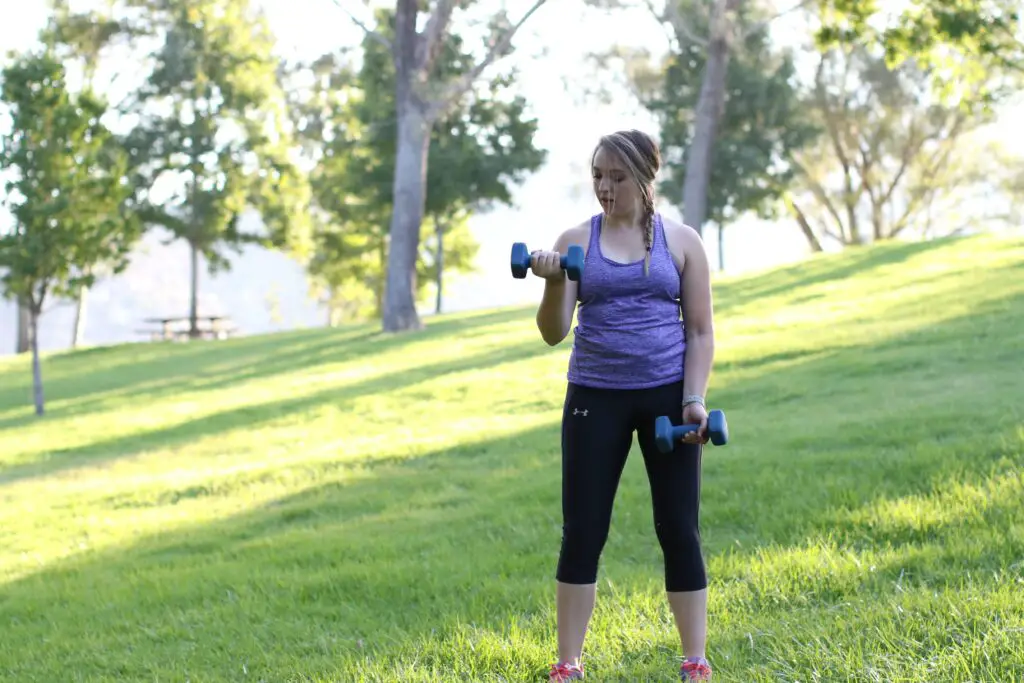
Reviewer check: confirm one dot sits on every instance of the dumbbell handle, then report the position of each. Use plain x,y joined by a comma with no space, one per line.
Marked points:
685,429
528,259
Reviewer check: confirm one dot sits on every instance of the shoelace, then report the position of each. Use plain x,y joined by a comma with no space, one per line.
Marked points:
563,672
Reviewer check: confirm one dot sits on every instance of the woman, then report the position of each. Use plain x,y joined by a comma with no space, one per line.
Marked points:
632,360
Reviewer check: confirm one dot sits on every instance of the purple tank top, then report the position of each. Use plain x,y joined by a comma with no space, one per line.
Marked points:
629,332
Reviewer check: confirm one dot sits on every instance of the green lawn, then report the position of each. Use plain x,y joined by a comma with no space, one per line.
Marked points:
337,505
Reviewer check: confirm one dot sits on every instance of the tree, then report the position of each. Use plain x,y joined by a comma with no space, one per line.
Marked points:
480,148
81,39
890,154
211,136
24,334
724,29
757,134
68,196
927,30
421,99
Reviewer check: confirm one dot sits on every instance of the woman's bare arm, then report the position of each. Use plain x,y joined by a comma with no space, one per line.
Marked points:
697,307
557,305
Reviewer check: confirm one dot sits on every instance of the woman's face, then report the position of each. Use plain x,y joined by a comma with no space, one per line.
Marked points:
614,187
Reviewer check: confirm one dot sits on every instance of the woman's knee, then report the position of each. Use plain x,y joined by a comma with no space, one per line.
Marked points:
580,553
684,558
677,531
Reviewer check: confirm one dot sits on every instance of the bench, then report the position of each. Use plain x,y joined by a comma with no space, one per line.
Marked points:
177,328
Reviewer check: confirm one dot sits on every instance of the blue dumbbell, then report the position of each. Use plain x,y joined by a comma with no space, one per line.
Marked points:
666,435
572,262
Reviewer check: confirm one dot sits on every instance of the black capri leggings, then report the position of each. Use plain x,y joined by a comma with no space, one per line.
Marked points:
597,434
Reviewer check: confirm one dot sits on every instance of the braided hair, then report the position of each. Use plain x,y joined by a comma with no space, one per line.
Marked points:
641,156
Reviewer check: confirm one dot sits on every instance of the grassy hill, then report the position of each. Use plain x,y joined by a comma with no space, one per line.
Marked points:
344,506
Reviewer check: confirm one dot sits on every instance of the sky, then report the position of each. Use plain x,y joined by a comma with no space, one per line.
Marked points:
550,54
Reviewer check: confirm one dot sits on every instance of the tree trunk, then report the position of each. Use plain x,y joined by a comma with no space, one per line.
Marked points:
877,221
193,308
37,373
710,106
332,315
805,226
439,231
24,328
721,247
378,286
410,181
851,216
78,336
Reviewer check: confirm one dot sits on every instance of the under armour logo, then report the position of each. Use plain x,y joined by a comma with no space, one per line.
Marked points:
577,411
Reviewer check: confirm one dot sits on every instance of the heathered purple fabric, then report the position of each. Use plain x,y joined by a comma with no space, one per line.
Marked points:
629,334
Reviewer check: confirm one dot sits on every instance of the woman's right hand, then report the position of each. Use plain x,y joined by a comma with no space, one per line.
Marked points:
547,264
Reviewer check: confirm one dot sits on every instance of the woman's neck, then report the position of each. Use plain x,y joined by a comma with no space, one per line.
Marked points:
627,222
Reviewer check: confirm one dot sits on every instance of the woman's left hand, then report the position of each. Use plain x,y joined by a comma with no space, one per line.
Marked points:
695,414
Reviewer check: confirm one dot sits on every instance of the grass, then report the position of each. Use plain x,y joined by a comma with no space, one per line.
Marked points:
347,506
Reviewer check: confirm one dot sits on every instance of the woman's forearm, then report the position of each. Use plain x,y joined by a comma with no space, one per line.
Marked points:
551,313
699,356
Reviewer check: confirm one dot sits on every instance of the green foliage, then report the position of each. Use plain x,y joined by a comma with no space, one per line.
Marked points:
763,124
212,129
478,152
67,196
82,37
69,199
977,33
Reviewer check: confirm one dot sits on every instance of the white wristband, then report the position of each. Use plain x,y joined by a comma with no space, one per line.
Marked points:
693,398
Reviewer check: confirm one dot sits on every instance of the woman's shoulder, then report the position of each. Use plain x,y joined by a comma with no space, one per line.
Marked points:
578,234
682,240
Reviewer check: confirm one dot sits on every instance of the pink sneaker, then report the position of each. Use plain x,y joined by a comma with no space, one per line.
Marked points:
561,672
695,669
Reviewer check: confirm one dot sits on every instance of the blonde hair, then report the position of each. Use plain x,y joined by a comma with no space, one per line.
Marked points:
642,158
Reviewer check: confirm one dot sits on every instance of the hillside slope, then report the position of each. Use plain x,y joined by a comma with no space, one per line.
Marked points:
343,506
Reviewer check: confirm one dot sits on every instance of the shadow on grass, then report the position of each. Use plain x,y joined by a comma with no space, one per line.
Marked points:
253,416
352,570
395,565
855,261
148,372
365,574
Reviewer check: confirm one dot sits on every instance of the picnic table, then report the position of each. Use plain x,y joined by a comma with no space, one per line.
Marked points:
176,328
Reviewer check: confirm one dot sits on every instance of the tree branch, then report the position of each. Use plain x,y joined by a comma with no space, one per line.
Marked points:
430,44
761,24
851,198
939,159
663,18
822,197
675,18
804,224
455,90
380,38
909,153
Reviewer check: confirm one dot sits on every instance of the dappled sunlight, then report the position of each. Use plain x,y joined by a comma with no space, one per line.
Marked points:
870,307
277,403
165,491
396,527
368,503
963,506
880,544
